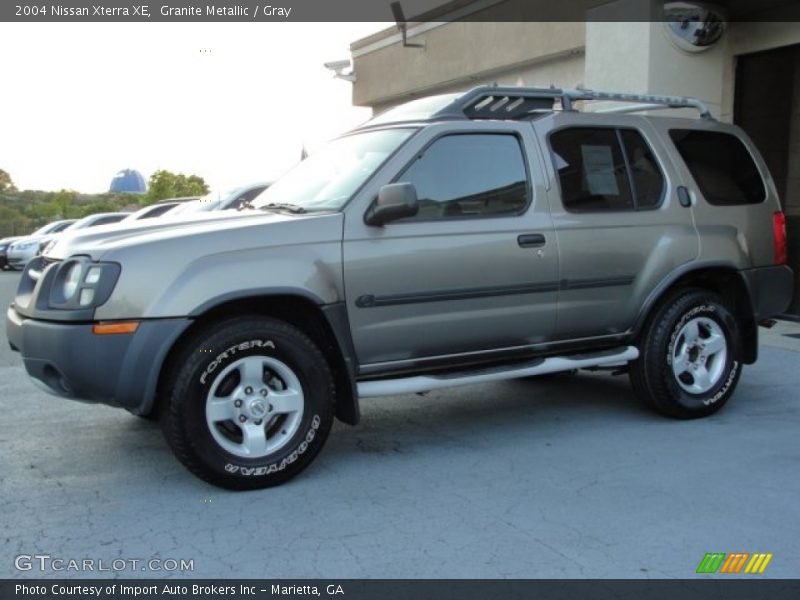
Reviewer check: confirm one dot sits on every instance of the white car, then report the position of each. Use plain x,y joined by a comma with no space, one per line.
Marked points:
20,252
233,199
89,221
158,209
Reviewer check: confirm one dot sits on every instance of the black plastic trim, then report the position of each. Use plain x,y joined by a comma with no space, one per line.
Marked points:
596,282
370,301
770,288
531,240
73,362
247,293
347,405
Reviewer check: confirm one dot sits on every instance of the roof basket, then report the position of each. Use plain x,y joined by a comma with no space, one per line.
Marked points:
515,103
493,102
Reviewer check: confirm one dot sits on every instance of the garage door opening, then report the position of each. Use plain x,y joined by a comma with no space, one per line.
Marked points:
767,107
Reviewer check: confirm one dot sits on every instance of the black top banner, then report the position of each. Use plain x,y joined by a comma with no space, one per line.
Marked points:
383,10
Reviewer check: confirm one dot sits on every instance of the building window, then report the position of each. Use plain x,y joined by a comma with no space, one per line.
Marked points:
469,175
605,169
721,166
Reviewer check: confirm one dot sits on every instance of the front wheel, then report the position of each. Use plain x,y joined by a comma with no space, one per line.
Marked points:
250,403
690,356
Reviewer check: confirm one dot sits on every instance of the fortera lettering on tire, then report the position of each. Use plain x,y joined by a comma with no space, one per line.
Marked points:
728,382
231,352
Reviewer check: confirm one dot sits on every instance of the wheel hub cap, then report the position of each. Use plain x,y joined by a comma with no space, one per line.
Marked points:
256,409
699,355
254,406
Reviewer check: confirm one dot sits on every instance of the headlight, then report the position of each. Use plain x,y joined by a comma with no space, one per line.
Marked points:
80,283
70,285
24,245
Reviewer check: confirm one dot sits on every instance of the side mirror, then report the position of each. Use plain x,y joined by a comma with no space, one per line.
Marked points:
395,201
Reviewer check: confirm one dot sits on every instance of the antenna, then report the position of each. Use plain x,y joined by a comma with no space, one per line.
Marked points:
402,25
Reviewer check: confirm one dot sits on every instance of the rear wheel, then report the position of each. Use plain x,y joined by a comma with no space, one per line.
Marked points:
690,356
251,403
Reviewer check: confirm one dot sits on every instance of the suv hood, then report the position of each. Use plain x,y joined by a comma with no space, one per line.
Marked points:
96,241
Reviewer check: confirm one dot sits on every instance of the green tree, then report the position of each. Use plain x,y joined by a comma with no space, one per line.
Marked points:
45,211
63,203
6,185
165,184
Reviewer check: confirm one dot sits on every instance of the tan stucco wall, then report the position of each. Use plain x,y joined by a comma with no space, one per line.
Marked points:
460,54
640,58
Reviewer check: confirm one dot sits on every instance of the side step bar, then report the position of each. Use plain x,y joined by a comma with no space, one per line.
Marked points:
425,383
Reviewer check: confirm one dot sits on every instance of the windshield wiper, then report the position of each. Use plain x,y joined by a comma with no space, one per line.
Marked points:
293,208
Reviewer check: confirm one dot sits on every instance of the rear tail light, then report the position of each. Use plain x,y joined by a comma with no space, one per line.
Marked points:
779,237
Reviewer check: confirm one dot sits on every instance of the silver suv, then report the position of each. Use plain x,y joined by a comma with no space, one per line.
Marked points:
454,240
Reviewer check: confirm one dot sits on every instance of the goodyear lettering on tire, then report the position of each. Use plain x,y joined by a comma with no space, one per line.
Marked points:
288,460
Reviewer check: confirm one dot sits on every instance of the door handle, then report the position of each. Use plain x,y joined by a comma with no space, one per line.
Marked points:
684,197
531,240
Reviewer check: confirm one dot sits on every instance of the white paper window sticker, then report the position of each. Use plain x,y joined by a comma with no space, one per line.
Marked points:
559,161
598,170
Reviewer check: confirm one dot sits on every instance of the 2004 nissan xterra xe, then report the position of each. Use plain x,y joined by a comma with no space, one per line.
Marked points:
453,240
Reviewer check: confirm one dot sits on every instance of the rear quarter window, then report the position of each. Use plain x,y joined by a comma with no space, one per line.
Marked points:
721,165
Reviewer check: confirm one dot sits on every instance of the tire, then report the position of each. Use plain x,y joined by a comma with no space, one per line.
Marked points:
249,403
690,356
151,417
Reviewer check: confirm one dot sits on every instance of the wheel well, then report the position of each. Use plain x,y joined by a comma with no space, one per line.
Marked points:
731,287
295,310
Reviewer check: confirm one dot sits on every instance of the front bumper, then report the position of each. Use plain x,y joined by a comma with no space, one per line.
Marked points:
69,360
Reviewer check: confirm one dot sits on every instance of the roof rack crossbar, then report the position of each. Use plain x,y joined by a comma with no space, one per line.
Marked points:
648,99
630,108
493,102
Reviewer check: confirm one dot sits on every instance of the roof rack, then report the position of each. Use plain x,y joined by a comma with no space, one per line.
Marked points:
496,102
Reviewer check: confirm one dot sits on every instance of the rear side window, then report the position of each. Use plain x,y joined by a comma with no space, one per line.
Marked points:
721,166
606,169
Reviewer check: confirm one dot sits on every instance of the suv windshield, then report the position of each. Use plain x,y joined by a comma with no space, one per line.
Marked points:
327,179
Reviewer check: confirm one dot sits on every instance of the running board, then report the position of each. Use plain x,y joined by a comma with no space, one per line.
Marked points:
426,383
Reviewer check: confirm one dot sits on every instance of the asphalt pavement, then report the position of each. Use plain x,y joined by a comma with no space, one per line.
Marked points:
565,477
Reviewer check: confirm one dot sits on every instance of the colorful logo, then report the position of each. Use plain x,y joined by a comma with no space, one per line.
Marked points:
740,562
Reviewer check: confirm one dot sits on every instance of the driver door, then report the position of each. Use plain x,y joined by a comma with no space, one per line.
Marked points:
473,276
